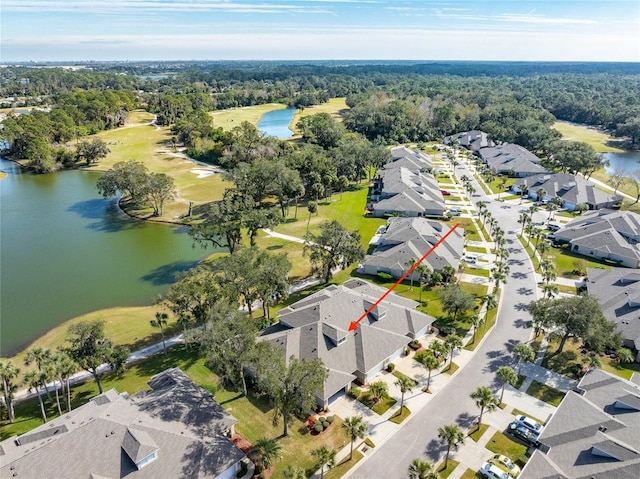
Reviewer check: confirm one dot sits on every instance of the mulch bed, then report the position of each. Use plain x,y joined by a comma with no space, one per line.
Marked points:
242,443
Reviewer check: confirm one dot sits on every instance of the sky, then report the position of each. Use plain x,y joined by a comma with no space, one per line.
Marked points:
517,30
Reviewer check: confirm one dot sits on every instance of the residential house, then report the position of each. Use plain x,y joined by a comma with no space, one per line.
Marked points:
400,191
604,234
318,326
401,156
594,433
512,160
471,140
405,239
570,188
618,292
176,429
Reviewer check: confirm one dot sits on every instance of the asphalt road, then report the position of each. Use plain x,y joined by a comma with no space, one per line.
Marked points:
419,436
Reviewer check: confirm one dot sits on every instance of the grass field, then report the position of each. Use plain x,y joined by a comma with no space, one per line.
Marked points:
477,432
545,393
232,117
599,140
334,107
149,145
343,466
500,443
444,473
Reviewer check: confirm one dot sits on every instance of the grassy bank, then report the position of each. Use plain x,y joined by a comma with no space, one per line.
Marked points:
598,139
335,106
232,117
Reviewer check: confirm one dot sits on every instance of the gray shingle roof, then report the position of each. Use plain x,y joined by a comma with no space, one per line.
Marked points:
510,157
412,159
411,238
472,140
405,190
337,306
589,436
571,189
107,436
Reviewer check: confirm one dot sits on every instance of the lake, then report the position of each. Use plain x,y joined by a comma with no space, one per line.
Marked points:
276,123
66,251
629,160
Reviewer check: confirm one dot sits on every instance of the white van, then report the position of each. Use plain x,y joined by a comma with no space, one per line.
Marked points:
470,258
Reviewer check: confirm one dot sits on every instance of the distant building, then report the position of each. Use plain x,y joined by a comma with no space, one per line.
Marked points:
318,327
401,156
618,292
604,234
512,160
570,188
410,238
594,434
471,140
176,429
400,191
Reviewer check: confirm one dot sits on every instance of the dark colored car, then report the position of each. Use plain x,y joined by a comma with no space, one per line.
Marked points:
525,435
445,192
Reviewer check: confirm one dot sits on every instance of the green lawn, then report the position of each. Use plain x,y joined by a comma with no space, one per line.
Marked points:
382,406
343,466
399,375
478,272
444,473
450,368
335,107
477,432
475,249
469,474
599,140
398,416
500,443
489,321
545,393
347,209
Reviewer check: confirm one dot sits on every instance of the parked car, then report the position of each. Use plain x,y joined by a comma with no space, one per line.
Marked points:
506,464
554,226
531,424
455,211
445,192
470,258
491,471
525,435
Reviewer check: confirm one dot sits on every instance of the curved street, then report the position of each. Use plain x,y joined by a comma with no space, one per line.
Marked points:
419,436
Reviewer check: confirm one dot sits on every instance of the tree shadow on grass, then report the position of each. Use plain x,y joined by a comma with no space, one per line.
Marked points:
168,273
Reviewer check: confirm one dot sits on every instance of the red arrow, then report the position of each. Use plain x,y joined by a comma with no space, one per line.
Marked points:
354,324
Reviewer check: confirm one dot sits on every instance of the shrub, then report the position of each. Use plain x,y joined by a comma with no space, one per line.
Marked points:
243,469
391,367
319,427
354,393
330,419
385,276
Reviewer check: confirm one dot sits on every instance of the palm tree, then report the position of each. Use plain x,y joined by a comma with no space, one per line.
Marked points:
453,436
421,469
325,457
33,380
291,472
550,290
523,353
356,428
50,373
498,277
40,356
429,361
485,400
544,247
439,349
581,208
8,372
452,342
410,263
377,390
551,207
625,355
184,320
508,376
524,219
529,229
476,321
540,192
312,207
406,385
65,368
264,453
490,301
161,322
424,271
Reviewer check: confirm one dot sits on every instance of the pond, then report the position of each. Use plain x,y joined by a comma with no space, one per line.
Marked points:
629,160
276,123
66,251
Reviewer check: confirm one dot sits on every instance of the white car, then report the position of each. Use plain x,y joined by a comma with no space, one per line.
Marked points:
534,426
491,471
470,258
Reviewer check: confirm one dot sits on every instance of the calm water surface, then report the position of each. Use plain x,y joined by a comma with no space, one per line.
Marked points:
65,251
276,123
629,160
